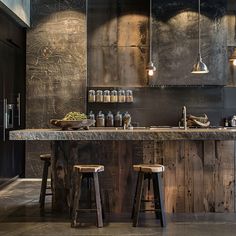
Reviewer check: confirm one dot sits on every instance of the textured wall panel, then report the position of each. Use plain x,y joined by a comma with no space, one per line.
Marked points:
56,65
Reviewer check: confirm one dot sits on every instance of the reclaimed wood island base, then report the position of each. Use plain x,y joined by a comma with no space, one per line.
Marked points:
199,175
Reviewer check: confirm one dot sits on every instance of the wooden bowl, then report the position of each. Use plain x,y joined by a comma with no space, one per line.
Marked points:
72,124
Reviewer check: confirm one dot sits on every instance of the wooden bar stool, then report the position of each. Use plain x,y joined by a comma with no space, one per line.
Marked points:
85,171
149,172
46,158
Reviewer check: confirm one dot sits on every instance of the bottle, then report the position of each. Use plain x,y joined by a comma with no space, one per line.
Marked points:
118,119
129,96
91,96
106,96
109,119
114,97
99,96
91,116
100,119
121,95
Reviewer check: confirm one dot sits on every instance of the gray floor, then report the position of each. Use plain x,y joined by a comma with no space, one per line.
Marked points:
19,215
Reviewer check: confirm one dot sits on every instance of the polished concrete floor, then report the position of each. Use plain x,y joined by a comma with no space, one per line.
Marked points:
19,215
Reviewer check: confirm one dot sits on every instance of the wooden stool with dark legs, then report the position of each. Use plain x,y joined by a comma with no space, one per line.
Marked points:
149,172
87,171
46,158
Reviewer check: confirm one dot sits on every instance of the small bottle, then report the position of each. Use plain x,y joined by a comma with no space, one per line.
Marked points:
91,96
226,122
106,96
121,96
109,119
91,116
118,119
129,96
99,96
100,119
114,97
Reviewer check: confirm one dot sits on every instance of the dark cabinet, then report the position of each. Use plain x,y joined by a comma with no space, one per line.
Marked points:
12,100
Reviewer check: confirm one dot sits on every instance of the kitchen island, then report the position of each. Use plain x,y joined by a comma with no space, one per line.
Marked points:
200,164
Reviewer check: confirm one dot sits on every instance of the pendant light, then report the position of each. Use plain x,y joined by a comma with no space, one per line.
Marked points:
200,67
233,57
150,66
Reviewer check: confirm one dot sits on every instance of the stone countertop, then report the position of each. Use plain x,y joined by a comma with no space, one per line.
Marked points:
119,134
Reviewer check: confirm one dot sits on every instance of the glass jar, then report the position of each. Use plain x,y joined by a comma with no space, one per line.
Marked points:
118,119
114,97
100,119
106,96
99,96
129,96
91,96
91,116
121,95
109,119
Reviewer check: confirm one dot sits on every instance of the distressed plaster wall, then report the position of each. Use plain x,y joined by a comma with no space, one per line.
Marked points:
56,68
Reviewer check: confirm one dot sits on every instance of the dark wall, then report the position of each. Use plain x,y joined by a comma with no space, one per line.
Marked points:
56,67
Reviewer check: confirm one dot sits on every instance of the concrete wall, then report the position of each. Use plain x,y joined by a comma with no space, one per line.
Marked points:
18,9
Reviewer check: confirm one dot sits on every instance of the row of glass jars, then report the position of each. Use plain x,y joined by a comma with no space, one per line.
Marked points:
109,120
110,96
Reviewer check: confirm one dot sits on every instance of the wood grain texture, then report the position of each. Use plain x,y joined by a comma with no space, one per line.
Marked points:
199,175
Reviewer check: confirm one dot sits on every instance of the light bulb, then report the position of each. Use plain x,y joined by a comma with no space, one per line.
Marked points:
234,62
150,72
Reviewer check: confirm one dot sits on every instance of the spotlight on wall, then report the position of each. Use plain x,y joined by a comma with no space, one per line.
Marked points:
150,68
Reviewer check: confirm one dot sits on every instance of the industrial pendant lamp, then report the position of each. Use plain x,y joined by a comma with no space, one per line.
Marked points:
200,67
150,67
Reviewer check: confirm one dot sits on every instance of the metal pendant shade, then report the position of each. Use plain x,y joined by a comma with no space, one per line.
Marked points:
199,67
150,68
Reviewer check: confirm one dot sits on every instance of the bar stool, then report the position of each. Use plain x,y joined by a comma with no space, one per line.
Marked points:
149,172
87,171
46,158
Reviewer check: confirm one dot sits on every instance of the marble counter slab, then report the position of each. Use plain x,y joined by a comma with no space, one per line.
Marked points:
119,134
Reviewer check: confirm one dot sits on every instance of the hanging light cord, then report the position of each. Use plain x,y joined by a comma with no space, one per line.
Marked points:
150,33
199,27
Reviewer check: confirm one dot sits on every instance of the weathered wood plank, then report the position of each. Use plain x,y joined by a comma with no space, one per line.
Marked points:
208,176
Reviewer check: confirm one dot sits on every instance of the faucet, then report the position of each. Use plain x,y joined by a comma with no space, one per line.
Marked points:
184,117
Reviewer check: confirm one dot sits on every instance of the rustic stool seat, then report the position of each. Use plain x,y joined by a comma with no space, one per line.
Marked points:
149,168
87,171
151,172
89,168
46,158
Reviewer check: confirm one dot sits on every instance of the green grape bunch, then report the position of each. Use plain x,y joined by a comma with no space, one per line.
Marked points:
77,116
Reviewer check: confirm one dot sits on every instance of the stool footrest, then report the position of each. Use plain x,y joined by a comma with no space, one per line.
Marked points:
89,209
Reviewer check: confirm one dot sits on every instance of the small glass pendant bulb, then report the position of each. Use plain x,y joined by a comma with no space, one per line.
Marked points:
150,68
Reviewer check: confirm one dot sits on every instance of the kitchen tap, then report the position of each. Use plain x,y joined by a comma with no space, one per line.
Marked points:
184,117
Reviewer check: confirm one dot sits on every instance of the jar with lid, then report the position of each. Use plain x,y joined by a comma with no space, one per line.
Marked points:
106,96
129,96
91,96
121,95
126,120
114,97
91,116
118,119
100,119
109,119
99,96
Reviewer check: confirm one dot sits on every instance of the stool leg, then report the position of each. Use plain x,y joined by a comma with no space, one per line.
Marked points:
44,186
157,186
135,195
138,199
76,200
98,200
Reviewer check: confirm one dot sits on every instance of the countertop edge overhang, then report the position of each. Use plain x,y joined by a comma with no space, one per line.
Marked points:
122,135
